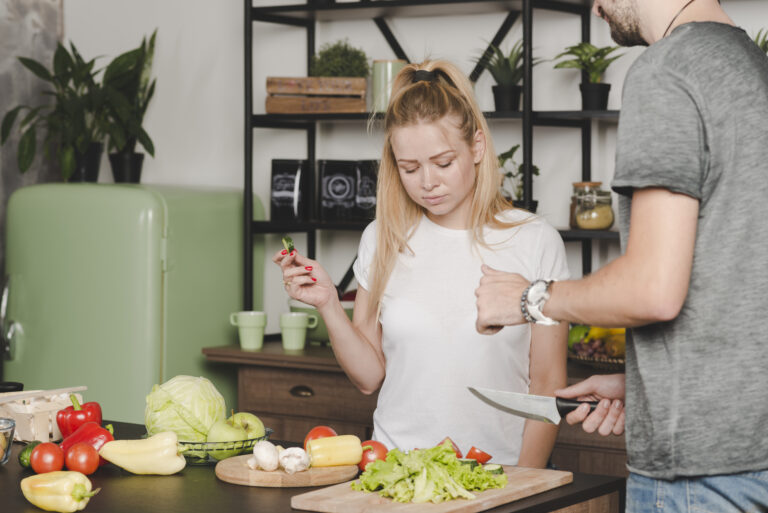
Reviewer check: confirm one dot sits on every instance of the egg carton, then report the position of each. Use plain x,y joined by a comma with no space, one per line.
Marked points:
34,412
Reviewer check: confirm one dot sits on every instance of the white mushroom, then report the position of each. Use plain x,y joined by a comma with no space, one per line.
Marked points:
264,456
294,459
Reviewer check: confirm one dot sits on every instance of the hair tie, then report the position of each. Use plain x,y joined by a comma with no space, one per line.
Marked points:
423,74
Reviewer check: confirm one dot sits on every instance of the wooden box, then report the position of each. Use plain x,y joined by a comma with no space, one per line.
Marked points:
311,95
35,412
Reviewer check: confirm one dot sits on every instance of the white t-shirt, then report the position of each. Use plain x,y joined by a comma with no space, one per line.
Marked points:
432,349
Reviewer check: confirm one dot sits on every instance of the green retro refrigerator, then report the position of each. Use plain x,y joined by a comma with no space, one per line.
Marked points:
119,287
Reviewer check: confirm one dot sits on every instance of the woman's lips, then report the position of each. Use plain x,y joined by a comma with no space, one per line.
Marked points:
434,200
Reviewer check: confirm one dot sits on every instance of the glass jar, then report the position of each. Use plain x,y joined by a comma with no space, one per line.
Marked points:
580,189
594,211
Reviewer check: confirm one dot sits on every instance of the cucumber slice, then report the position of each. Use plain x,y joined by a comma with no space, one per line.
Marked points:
468,461
493,468
288,243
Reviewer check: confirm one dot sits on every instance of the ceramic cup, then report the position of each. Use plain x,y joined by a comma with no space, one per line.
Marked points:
293,327
384,72
7,427
320,332
250,326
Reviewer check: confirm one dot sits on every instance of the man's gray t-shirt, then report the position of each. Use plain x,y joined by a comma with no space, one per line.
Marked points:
694,120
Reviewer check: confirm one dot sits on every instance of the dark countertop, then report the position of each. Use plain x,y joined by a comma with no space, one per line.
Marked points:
197,490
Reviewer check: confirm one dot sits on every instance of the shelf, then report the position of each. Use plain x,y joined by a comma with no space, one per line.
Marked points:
543,118
298,13
306,226
569,235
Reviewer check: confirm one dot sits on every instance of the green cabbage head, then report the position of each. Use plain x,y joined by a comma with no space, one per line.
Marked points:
186,405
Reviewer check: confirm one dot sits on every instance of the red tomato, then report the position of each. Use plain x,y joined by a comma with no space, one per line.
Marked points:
455,447
372,451
83,458
479,456
46,457
318,432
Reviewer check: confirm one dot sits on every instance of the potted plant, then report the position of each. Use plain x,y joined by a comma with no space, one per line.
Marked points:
507,72
594,61
761,40
128,90
512,180
337,83
74,123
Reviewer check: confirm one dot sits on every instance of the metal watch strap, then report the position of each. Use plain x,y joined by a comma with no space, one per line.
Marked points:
531,309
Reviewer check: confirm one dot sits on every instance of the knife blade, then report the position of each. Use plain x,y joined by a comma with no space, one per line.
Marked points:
536,407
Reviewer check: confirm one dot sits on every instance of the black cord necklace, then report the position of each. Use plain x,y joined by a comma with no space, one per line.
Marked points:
676,16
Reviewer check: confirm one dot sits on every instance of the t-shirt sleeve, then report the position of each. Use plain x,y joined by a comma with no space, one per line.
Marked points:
661,141
553,264
364,259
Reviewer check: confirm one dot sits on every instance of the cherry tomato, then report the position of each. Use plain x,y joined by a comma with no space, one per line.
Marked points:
372,451
318,432
83,458
46,457
479,456
455,447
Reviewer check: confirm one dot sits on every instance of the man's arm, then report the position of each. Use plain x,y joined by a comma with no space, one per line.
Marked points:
648,283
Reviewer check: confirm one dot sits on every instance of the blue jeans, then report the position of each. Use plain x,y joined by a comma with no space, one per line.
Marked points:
737,493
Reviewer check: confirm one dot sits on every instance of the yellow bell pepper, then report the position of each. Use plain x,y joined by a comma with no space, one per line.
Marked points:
64,491
158,454
335,450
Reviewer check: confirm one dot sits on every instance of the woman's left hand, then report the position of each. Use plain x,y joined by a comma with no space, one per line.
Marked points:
304,279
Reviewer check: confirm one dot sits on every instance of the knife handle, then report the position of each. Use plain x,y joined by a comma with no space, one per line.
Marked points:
566,406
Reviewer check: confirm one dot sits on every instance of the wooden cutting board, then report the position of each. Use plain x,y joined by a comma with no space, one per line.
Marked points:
522,482
236,470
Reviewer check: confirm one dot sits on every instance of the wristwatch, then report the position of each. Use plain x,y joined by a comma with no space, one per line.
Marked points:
532,303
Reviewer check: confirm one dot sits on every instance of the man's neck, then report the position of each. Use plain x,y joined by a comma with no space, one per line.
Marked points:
697,11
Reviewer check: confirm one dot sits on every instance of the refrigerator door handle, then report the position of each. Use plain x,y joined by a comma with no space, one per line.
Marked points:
4,302
7,335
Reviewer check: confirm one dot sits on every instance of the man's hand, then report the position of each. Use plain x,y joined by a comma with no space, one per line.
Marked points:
608,417
498,300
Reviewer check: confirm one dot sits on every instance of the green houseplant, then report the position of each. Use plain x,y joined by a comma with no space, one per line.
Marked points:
761,40
507,72
339,59
129,88
75,121
512,177
594,61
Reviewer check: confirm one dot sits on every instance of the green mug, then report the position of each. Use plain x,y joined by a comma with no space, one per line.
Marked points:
320,332
250,327
384,72
293,327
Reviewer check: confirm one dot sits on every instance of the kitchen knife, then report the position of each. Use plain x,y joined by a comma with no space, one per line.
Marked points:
536,407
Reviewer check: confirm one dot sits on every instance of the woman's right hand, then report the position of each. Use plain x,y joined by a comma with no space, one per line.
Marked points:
304,279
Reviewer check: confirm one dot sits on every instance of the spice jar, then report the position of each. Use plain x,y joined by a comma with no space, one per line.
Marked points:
593,211
580,189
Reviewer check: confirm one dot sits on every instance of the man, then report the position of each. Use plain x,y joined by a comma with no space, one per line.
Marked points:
692,282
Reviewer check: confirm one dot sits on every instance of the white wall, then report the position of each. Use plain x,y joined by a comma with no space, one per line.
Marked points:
196,117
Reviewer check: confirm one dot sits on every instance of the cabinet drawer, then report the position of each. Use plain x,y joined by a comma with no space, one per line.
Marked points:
304,393
294,429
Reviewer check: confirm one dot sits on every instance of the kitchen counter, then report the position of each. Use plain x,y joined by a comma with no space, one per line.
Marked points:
197,490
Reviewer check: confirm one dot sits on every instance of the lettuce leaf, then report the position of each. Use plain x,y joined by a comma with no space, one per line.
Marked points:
426,475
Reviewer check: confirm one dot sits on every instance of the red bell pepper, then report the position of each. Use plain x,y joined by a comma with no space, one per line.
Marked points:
72,417
90,433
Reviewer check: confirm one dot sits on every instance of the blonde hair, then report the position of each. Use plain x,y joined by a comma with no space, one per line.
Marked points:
447,93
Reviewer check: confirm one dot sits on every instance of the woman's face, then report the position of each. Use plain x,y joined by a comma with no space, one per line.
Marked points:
437,168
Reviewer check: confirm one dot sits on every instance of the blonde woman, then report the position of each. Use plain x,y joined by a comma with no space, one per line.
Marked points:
439,218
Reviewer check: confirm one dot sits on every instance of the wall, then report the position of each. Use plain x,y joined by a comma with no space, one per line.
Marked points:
196,117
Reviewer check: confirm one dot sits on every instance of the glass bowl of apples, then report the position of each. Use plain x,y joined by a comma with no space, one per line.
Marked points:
226,438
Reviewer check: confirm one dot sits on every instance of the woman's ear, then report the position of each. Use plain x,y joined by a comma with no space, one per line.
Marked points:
478,146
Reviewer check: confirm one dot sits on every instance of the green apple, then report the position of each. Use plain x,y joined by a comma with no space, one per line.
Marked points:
252,425
225,431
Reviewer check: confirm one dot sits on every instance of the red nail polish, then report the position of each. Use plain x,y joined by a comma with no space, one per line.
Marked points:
284,252
308,268
293,252
314,279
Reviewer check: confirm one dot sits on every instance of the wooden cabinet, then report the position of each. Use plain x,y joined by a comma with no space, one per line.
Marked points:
292,393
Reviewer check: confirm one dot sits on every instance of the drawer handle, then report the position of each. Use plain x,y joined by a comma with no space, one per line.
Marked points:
302,391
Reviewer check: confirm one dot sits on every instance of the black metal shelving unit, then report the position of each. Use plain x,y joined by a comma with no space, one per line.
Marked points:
307,15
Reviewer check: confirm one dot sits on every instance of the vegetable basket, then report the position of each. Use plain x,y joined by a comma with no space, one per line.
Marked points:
209,453
35,412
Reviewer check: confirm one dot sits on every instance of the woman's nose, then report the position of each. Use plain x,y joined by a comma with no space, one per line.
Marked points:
428,179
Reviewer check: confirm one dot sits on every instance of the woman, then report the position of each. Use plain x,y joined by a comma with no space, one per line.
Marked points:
439,217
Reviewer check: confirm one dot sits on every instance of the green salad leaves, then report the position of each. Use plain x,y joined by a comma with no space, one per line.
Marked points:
426,475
